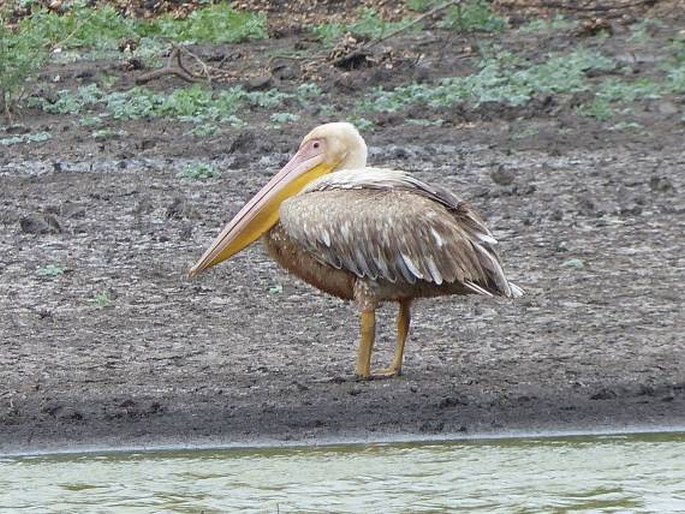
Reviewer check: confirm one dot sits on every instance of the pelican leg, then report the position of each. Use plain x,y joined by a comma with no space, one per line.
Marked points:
366,299
368,336
403,319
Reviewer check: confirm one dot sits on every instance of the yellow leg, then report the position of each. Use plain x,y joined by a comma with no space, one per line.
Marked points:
403,319
368,335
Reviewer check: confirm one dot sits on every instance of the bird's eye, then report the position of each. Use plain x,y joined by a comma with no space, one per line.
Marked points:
316,145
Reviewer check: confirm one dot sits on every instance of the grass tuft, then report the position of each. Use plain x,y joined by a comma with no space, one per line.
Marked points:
368,25
102,300
284,118
473,16
36,137
23,53
556,24
218,23
50,271
199,171
502,79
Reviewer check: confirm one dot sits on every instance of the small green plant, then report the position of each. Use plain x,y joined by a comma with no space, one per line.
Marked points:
283,118
599,109
150,49
675,79
640,31
218,23
576,264
421,5
199,171
308,92
50,271
68,102
22,55
525,133
425,123
626,125
616,90
275,289
91,121
368,25
107,134
80,26
501,78
363,124
102,300
270,99
556,24
36,137
108,81
677,47
473,16
205,130
196,104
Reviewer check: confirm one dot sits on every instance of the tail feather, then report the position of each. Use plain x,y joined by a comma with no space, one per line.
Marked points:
516,291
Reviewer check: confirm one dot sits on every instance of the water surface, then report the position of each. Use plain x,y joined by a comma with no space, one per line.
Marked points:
636,473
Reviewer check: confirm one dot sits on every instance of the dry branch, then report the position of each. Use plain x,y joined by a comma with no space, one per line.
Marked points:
176,67
570,6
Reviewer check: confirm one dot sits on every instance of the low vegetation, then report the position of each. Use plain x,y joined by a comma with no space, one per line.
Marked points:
197,105
34,137
499,75
199,171
218,23
50,271
102,300
556,24
369,25
502,78
473,16
95,32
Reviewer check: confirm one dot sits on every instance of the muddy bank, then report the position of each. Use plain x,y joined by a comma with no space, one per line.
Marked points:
120,349
104,342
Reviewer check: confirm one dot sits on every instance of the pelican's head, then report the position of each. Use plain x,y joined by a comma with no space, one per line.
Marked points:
339,144
327,148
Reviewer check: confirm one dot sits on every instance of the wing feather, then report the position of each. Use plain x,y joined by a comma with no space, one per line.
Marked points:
388,225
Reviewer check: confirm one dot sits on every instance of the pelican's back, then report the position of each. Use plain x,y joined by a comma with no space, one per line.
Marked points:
387,226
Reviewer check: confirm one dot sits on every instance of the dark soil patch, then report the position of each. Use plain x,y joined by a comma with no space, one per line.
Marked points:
120,349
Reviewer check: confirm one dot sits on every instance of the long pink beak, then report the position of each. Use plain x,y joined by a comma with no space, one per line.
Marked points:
261,213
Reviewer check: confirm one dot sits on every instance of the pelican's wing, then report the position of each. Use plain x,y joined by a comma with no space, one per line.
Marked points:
384,224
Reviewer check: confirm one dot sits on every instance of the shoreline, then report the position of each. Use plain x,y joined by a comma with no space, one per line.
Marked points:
335,442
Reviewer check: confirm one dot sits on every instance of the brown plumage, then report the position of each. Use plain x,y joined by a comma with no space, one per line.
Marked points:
374,235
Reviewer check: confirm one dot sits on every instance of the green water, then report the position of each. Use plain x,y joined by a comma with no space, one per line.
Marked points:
626,474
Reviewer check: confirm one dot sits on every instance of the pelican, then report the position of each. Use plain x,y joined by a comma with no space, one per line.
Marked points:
365,234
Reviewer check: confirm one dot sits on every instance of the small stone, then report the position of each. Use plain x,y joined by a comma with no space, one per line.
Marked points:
40,224
604,394
502,176
557,215
258,83
284,71
660,184
667,108
243,142
586,205
180,208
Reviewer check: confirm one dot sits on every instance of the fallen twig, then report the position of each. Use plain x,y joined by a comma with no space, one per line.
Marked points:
416,20
174,66
595,8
